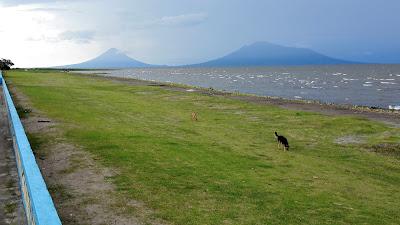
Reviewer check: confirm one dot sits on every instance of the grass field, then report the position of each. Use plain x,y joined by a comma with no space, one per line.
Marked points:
225,168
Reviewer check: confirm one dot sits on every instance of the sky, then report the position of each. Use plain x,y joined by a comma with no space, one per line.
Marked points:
38,33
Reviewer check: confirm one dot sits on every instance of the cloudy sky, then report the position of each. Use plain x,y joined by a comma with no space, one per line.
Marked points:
48,33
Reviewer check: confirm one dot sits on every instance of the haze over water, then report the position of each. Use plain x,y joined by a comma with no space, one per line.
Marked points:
367,85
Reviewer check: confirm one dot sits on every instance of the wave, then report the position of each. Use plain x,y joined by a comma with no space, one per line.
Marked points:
395,107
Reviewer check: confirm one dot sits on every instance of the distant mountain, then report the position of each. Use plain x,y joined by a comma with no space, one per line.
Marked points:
256,54
267,54
111,59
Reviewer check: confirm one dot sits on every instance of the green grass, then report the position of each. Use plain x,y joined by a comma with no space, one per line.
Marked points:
225,168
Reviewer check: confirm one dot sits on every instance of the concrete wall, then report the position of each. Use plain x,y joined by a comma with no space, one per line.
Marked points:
39,207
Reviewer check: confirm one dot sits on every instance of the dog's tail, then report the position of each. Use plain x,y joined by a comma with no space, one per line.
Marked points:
276,134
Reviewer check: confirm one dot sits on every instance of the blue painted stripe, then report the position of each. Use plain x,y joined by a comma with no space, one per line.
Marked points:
36,197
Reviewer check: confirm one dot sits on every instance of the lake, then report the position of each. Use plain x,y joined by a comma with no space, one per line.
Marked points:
366,85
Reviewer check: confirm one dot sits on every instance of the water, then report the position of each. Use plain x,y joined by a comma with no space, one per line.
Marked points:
367,85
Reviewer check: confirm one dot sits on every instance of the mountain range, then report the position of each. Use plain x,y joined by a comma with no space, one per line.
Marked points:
111,59
267,54
256,54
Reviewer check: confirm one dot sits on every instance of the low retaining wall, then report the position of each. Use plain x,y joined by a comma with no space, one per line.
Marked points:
39,207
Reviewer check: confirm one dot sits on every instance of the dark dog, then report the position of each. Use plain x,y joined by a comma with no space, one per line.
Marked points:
282,141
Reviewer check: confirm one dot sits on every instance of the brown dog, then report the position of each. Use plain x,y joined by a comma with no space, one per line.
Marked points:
194,116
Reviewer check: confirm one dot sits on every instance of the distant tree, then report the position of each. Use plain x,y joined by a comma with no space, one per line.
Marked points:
5,64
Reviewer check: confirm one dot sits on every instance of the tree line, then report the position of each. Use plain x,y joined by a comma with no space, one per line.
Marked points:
6,64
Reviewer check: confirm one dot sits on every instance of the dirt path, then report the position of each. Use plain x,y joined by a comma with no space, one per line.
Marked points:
11,207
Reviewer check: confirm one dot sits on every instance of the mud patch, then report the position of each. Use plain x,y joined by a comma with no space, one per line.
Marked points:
350,139
176,98
389,149
144,92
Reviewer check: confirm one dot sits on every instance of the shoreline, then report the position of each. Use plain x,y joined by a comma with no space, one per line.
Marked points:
388,116
353,87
